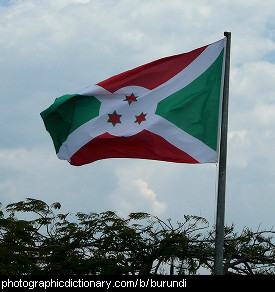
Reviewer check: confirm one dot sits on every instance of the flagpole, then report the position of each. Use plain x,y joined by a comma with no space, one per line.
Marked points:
220,212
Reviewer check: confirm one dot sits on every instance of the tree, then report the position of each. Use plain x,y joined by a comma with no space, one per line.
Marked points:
105,244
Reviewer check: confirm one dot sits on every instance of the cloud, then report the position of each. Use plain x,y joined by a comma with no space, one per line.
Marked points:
23,171
37,173
238,148
150,196
132,191
251,112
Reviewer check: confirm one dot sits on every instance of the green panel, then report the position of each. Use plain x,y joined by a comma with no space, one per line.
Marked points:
66,114
195,108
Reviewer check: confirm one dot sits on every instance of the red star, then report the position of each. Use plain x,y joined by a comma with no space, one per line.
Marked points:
130,98
114,118
140,118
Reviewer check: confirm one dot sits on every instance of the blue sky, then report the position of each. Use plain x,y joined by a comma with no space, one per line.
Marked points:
5,2
49,48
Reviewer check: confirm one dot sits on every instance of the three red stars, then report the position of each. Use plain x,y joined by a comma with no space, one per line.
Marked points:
114,118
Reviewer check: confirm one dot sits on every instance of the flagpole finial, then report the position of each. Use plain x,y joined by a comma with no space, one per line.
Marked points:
227,34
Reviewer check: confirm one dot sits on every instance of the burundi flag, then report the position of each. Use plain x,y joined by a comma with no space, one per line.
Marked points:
165,110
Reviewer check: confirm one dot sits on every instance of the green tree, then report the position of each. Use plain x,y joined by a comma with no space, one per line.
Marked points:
50,243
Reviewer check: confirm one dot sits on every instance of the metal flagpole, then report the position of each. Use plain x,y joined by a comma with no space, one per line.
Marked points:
219,240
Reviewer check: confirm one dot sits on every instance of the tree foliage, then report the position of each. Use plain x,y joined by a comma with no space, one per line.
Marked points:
50,243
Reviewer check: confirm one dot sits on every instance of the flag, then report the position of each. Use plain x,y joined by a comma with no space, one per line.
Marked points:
167,110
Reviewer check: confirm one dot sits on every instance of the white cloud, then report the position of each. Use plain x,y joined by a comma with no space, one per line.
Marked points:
252,112
133,192
37,173
150,196
253,83
25,173
238,148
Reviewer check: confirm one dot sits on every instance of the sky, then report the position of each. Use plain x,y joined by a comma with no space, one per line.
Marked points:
50,48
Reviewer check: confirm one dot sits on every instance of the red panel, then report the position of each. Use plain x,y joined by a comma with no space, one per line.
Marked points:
153,74
144,145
